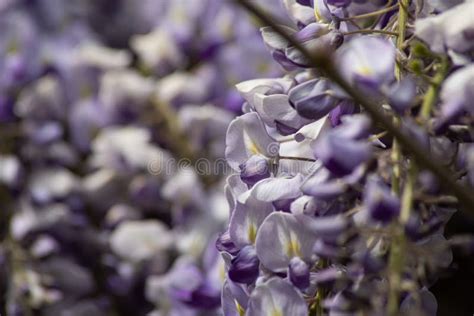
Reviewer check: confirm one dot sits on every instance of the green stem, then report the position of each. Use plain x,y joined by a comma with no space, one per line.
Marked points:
402,25
369,31
398,246
408,190
316,308
432,92
396,157
371,14
296,158
395,270
396,150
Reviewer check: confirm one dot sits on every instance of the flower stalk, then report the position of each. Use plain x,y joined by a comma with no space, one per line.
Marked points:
432,92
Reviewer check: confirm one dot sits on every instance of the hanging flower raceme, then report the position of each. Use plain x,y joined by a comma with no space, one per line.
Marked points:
334,220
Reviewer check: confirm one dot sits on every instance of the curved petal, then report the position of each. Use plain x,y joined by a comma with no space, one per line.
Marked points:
276,297
280,238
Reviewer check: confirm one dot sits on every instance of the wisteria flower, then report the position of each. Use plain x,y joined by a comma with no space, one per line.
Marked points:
276,297
368,61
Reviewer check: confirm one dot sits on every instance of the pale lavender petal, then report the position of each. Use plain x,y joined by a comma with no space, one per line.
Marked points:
276,297
280,238
246,220
247,136
273,189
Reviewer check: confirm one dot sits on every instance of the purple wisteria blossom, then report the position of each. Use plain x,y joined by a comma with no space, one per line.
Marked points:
171,158
335,219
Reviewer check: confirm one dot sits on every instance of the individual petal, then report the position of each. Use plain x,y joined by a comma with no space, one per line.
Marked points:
300,14
298,272
367,60
233,188
274,189
274,40
324,44
246,220
263,86
244,267
402,94
321,185
280,238
276,109
306,205
313,99
328,277
247,136
224,243
276,297
341,155
380,203
313,130
329,228
346,107
254,169
355,127
234,299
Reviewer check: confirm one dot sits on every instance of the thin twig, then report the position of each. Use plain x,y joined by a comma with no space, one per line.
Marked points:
297,158
370,31
371,14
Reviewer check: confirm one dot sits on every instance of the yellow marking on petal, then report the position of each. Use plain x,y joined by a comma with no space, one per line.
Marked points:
222,273
240,309
252,233
276,312
366,71
13,46
293,248
317,14
263,67
250,144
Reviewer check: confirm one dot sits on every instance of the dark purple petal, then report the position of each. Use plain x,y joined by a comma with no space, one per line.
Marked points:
225,244
381,204
339,155
298,272
244,267
254,169
313,99
345,107
203,297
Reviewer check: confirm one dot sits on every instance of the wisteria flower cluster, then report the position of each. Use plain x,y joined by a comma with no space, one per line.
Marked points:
334,211
233,157
104,107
